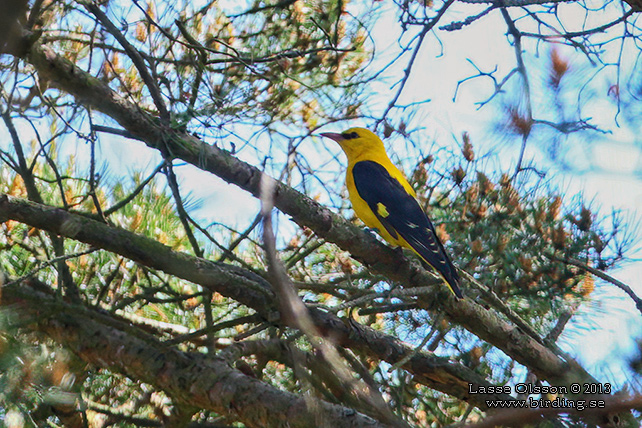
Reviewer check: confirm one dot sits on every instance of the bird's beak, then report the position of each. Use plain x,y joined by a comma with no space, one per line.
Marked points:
333,136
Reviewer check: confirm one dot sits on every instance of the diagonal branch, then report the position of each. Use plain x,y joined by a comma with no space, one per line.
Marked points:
252,291
28,177
295,312
420,38
606,277
136,58
188,378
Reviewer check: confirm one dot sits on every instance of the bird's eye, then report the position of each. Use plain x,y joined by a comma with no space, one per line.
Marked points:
350,136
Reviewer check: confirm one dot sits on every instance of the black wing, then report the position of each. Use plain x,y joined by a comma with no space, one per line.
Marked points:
400,214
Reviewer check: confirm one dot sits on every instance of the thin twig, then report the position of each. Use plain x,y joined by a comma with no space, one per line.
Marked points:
619,284
294,312
51,262
420,38
137,60
118,205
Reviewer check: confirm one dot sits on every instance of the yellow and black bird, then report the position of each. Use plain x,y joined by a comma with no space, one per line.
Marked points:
382,197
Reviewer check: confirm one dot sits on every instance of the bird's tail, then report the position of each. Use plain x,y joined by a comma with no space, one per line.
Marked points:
446,270
452,281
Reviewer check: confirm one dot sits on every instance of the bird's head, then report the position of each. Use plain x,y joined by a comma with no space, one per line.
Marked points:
356,141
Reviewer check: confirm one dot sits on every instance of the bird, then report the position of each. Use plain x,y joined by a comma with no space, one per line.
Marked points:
384,200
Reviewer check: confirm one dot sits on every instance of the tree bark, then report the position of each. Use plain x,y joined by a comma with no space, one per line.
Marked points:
189,378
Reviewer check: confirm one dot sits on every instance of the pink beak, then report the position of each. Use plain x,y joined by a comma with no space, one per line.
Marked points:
333,136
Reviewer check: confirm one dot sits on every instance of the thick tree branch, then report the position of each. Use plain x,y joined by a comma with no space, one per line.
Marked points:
528,417
252,291
236,283
189,378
